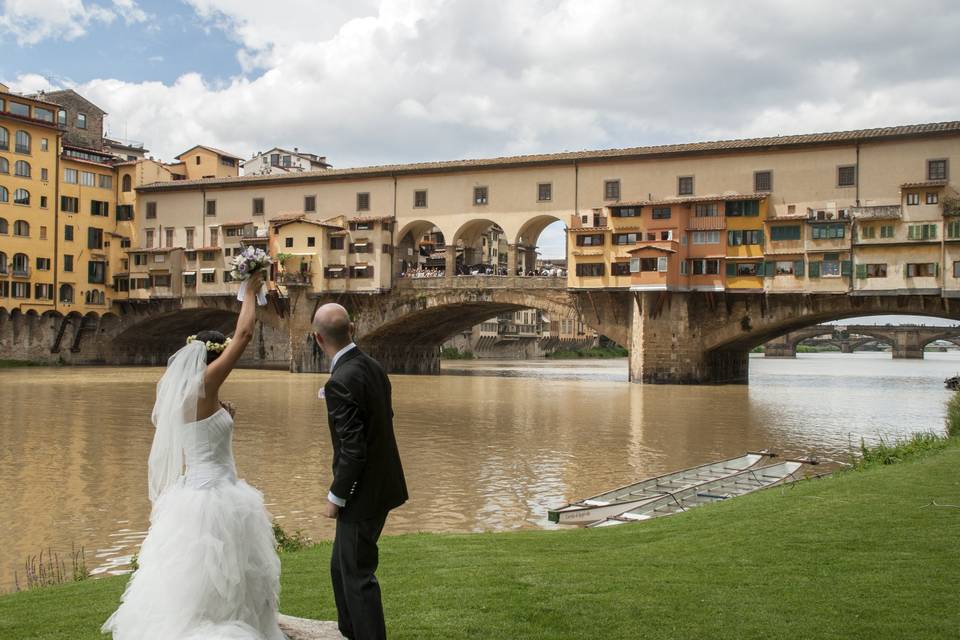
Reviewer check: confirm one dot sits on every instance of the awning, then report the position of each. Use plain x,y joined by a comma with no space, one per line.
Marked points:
189,273
302,254
208,270
360,244
334,269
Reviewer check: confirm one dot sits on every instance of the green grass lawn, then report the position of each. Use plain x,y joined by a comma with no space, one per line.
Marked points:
857,555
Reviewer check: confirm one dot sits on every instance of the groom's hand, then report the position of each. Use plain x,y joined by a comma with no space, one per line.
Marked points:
332,510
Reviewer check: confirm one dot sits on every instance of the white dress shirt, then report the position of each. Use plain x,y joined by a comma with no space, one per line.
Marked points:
340,502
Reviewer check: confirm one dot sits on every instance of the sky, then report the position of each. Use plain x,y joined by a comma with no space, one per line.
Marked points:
383,81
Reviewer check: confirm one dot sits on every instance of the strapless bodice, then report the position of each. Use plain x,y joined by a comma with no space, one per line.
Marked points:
208,450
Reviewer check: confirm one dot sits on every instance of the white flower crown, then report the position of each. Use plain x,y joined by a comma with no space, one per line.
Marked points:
215,347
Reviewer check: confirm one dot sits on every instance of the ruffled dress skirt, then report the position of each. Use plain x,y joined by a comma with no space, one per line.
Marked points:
208,568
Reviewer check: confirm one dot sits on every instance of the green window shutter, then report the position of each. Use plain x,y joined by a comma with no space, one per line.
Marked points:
798,268
936,269
731,268
845,267
861,271
760,237
769,269
814,269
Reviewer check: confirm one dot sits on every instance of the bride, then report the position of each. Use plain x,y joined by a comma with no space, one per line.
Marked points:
207,568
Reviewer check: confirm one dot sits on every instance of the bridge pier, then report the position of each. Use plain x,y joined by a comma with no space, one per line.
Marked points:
780,348
411,359
846,346
907,346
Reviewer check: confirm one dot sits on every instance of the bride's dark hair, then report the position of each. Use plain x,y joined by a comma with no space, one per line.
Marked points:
210,335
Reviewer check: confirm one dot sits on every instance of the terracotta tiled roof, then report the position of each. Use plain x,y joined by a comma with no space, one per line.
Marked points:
371,219
568,157
655,247
926,183
280,221
214,149
690,200
237,223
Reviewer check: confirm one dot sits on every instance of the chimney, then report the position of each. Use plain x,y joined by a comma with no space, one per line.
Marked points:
295,150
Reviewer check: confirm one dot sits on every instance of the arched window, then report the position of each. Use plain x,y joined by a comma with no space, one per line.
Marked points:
3,262
4,139
4,195
21,196
21,168
21,228
4,227
94,297
4,165
23,142
21,264
127,183
66,293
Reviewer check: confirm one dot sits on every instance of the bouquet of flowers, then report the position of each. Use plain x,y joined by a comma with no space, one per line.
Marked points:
247,263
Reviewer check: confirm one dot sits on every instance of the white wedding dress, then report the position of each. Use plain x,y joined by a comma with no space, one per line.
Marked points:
208,569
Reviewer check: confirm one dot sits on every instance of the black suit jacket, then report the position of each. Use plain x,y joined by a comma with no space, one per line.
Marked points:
366,462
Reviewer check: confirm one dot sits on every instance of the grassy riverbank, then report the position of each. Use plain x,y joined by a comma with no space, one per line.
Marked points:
602,352
863,554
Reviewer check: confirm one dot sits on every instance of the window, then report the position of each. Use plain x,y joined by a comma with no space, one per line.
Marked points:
706,210
96,272
68,263
189,238
94,238
211,208
21,264
742,208
847,176
124,212
208,277
214,237
21,290
830,267
21,196
43,232
288,242
21,228
336,243
660,213
151,210
762,181
161,280
544,192
287,161
913,198
625,212
21,168
4,139
310,203
4,165
99,208
334,273
44,144
887,231
706,237
4,194
87,178
81,121
22,142
828,231
361,247
933,197
69,204
363,202
591,240
104,181
782,268
70,176
149,239
953,229
922,232
40,113
43,264
785,232
685,186
626,238
19,109
705,267
868,233
956,269
745,237
126,183
62,117
190,279
611,189
365,271
66,293
274,159
480,195
169,236
227,277
125,244
921,270
666,235
258,206
229,162
4,229
872,270
311,241
420,198
620,269
44,174
936,169
590,270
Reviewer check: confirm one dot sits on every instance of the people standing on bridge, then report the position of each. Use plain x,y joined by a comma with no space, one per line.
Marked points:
208,567
368,478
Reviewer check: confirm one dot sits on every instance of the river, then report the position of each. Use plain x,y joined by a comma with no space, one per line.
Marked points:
486,446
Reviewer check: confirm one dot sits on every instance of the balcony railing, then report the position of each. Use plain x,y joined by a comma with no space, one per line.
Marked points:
295,279
878,212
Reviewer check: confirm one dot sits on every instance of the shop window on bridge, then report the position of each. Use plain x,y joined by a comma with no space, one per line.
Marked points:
744,269
66,293
707,267
94,297
706,237
626,238
833,267
625,212
782,268
921,269
336,243
620,269
828,231
590,240
785,232
953,229
871,270
365,271
590,269
705,210
96,272
742,208
660,213
334,273
922,232
745,237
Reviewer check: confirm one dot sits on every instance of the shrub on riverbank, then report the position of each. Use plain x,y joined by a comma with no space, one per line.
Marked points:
611,351
855,555
452,353
900,450
953,415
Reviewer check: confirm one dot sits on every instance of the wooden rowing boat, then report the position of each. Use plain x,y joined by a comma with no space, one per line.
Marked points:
625,498
734,485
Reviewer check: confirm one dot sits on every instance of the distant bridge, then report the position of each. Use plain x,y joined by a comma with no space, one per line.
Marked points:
906,341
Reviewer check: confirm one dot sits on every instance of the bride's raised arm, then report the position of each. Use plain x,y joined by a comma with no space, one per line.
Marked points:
219,369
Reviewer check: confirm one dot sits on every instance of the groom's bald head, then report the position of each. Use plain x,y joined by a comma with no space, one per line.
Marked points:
332,325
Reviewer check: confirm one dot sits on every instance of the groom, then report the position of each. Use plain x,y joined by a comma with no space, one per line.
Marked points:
367,475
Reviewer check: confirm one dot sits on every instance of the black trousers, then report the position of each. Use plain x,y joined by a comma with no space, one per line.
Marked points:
355,588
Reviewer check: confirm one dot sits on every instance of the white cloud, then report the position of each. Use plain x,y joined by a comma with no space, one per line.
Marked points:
33,21
401,80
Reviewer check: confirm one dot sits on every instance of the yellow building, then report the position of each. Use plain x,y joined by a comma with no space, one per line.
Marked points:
745,244
29,147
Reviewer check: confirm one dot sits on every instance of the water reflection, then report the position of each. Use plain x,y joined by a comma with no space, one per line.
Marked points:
486,446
